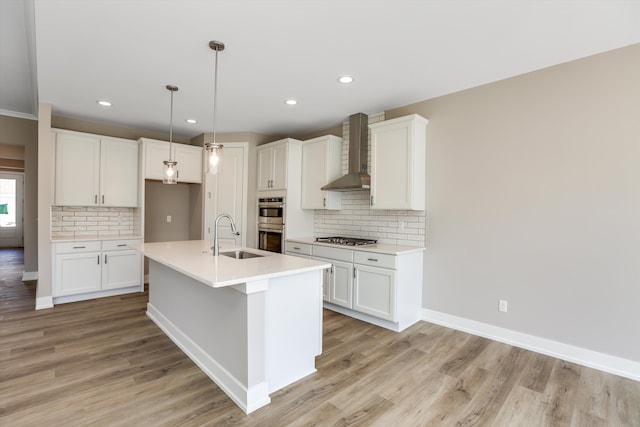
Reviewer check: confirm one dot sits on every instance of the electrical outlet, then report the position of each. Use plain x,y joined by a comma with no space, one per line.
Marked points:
168,218
502,305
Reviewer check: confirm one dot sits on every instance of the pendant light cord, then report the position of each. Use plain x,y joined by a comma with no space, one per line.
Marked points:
171,128
215,95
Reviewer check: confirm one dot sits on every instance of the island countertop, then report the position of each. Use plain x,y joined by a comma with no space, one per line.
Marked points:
194,259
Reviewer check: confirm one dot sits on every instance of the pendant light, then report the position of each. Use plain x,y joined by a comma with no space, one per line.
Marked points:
170,173
214,149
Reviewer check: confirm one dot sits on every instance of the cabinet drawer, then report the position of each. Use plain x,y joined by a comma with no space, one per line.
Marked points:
333,253
297,248
118,245
375,259
71,247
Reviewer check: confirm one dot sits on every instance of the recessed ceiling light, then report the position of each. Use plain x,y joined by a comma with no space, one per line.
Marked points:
104,103
191,121
290,101
345,79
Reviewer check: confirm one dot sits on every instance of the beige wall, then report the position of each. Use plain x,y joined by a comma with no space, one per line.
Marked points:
24,133
533,196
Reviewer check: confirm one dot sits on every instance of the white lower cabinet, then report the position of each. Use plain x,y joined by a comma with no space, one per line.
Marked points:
382,288
375,284
339,283
90,269
374,291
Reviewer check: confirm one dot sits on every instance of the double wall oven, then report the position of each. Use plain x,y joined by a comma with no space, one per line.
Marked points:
271,224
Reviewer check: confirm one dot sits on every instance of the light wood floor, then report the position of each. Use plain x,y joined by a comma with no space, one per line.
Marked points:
104,363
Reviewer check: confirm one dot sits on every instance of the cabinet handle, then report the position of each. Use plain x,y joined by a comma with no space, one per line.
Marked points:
95,199
122,245
324,202
371,200
79,247
98,259
105,258
372,259
103,199
295,247
354,272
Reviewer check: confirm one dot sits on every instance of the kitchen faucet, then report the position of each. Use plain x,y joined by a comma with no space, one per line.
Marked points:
215,248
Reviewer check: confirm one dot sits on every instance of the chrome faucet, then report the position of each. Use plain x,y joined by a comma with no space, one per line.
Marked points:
216,249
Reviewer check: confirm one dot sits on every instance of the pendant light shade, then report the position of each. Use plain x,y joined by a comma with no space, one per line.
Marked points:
170,172
213,148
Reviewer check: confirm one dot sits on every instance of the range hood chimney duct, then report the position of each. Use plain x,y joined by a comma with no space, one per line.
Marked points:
357,178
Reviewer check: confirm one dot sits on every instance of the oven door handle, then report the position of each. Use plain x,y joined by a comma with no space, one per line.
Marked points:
278,230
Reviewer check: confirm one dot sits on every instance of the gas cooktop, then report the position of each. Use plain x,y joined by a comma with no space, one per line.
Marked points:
347,241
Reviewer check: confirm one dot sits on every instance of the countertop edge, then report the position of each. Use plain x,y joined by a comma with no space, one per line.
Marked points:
382,248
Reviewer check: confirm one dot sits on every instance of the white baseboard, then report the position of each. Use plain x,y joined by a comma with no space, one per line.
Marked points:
592,359
44,302
29,275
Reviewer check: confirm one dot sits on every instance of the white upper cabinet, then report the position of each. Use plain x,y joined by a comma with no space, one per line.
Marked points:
398,163
272,166
189,158
92,170
321,164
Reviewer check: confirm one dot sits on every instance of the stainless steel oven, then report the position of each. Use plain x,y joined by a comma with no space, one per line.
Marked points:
271,224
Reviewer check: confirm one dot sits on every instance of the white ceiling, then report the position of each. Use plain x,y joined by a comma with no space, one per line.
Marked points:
399,51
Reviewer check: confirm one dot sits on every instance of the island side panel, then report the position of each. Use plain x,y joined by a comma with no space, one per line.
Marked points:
210,326
294,327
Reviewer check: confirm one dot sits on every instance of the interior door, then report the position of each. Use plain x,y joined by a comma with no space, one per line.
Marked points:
226,192
11,204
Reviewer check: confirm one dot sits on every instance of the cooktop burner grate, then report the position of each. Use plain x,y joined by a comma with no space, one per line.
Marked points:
347,241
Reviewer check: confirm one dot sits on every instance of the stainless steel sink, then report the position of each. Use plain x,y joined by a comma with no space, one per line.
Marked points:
240,254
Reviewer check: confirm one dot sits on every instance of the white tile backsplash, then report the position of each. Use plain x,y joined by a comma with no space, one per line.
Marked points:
356,219
79,221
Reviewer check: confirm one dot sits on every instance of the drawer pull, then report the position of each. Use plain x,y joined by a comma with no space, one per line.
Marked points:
372,259
79,247
124,244
296,248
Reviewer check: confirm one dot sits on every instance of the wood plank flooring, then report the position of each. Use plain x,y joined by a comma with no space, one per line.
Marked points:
104,363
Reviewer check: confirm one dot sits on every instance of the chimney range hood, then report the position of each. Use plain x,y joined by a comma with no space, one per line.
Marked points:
357,177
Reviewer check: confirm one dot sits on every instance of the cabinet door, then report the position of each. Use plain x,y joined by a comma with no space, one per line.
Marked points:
189,158
375,291
155,153
77,175
398,163
118,172
321,164
77,273
341,284
265,168
279,174
121,269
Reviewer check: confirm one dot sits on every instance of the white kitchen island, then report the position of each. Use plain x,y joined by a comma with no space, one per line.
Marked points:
252,325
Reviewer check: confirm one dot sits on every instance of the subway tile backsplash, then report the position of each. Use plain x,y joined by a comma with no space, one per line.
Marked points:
72,221
356,219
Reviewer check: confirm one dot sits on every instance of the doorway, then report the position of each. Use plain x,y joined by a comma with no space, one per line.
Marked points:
11,205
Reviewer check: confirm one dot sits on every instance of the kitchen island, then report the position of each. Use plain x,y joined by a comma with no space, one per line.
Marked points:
252,325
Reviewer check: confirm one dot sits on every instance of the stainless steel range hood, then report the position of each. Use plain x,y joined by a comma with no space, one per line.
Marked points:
357,178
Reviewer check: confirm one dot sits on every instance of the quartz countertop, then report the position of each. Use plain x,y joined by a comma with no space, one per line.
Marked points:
381,248
194,258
